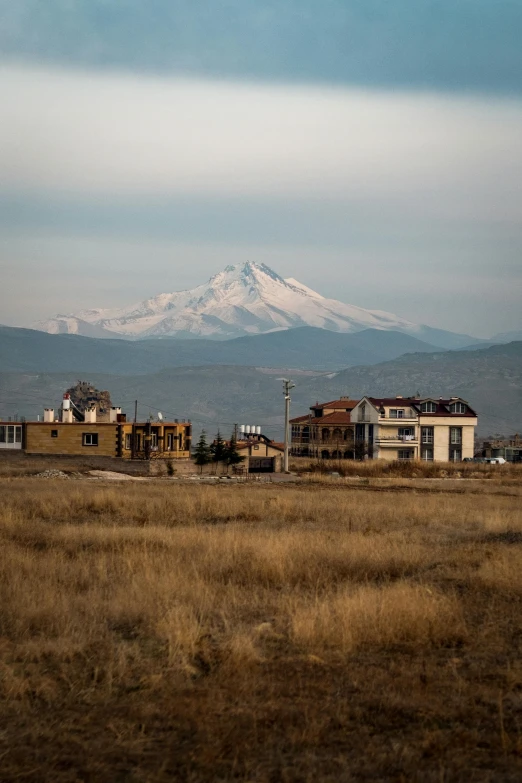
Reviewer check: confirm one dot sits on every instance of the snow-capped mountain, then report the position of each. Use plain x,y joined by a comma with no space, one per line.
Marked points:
248,298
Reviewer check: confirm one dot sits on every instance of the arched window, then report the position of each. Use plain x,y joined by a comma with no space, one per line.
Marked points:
337,434
348,435
428,407
325,433
337,455
349,455
325,454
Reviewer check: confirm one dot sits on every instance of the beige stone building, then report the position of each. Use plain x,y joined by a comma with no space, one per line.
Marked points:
262,455
71,431
406,428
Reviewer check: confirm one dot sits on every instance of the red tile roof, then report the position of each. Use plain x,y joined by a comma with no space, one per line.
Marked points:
338,417
344,402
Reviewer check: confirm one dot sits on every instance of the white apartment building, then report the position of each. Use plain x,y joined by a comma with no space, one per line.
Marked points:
406,428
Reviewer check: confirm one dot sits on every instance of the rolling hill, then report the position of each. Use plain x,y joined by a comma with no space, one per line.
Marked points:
490,379
306,347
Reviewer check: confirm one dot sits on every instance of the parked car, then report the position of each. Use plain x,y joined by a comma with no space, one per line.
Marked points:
496,461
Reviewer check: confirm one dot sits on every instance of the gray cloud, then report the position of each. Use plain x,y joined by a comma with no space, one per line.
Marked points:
409,202
469,44
79,133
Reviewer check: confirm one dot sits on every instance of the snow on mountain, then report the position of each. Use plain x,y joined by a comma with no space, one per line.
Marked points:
248,298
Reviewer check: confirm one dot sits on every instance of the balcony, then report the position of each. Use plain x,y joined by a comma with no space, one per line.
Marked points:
394,440
392,419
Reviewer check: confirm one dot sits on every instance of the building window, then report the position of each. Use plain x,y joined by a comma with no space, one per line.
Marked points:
405,454
154,440
407,433
10,433
169,442
456,435
137,442
455,455
359,432
427,454
427,434
90,438
397,413
428,407
458,407
325,434
54,433
128,441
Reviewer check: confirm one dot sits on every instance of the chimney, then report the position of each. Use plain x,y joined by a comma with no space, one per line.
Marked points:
113,414
48,414
67,416
90,415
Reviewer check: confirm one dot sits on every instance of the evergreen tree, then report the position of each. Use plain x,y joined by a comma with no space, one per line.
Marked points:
232,455
218,449
202,453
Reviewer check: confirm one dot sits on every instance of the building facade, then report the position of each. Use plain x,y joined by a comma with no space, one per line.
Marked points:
261,454
407,428
73,432
327,432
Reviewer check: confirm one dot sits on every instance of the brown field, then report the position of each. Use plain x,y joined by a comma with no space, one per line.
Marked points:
156,631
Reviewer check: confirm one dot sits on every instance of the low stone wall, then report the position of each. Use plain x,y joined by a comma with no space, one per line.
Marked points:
74,463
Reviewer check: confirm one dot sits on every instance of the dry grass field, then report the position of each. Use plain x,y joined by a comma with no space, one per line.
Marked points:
160,632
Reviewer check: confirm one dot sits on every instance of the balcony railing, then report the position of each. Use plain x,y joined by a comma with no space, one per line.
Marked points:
396,439
406,417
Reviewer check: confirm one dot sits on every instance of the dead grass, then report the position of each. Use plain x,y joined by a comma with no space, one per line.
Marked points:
407,469
158,632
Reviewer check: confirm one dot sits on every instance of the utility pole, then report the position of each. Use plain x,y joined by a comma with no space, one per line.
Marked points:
287,386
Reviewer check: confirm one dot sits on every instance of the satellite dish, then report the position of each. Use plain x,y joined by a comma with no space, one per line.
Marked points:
160,416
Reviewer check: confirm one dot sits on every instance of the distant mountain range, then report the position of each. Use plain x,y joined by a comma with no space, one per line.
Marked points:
246,299
305,348
43,366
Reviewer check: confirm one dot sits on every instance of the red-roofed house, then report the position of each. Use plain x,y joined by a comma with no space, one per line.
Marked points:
327,432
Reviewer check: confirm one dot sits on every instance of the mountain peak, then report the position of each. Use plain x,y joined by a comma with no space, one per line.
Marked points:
246,298
246,272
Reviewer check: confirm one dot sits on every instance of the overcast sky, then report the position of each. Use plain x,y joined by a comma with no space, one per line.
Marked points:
372,150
